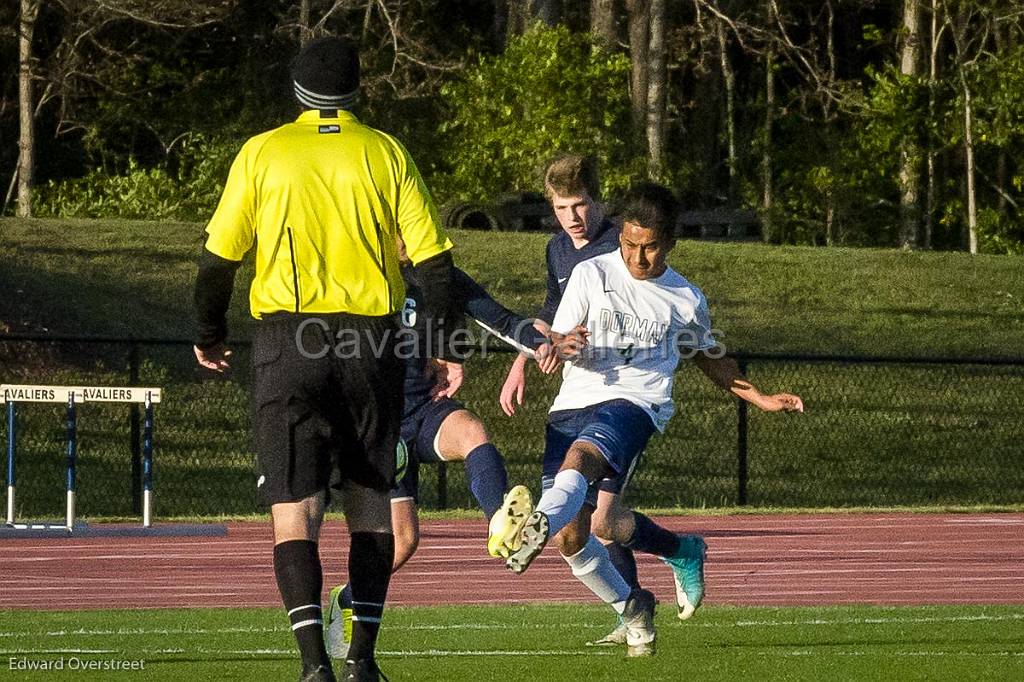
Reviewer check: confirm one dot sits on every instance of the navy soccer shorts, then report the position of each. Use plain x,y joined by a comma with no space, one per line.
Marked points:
421,429
617,428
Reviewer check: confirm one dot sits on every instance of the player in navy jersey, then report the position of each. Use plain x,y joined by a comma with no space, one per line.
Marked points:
437,428
625,320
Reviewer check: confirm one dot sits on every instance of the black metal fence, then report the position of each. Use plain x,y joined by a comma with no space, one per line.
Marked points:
877,432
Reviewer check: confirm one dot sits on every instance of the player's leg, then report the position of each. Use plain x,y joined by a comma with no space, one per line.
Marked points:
609,510
294,476
462,436
370,403
560,503
405,524
634,531
299,578
590,564
371,555
405,527
612,437
608,503
451,433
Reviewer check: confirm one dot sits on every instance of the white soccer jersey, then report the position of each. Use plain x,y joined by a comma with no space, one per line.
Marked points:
637,328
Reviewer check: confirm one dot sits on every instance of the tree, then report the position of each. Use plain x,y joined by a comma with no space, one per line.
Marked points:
26,106
602,23
649,77
508,115
910,152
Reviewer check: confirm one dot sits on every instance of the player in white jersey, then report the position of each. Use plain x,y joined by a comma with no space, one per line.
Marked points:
624,322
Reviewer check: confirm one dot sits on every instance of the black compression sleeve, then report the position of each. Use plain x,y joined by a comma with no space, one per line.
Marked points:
214,283
441,303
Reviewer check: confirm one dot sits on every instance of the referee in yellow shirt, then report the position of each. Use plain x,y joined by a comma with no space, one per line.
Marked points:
321,200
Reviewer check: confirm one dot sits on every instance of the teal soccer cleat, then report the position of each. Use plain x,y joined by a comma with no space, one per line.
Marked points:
688,569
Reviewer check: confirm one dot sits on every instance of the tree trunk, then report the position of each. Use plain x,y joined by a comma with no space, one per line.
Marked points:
657,87
639,41
768,192
522,13
500,30
26,107
729,79
602,23
304,27
910,153
972,207
928,223
547,11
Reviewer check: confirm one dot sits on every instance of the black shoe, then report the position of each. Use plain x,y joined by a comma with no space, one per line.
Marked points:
318,673
363,670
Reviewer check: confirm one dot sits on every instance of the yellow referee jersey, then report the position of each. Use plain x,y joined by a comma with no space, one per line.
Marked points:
323,199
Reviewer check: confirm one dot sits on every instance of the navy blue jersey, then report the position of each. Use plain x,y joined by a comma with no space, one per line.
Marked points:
476,303
562,257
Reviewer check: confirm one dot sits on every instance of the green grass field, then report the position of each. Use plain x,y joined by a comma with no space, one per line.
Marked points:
539,643
884,434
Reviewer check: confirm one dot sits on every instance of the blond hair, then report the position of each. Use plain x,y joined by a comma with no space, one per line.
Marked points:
570,175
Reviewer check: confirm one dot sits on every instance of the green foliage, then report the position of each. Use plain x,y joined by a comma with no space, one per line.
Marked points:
550,91
185,188
998,234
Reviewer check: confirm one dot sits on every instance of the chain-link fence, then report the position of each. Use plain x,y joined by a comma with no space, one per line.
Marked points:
876,432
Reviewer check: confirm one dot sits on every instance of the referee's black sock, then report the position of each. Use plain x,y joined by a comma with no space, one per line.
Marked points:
300,580
370,558
651,538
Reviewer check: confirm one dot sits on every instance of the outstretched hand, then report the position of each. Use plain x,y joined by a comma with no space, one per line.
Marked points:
782,402
215,358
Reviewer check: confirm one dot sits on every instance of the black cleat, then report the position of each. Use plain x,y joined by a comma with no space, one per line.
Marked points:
363,670
318,673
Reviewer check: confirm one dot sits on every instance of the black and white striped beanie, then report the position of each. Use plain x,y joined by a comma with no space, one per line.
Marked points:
326,74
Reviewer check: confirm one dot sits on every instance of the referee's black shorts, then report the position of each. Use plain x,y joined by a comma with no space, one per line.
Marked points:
327,398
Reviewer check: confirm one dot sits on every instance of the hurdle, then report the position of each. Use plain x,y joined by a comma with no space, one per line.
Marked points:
72,396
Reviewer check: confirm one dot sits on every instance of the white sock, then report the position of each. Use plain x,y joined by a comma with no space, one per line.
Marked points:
592,567
563,500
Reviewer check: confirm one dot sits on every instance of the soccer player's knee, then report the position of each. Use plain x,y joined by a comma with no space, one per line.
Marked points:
472,433
571,540
461,433
601,525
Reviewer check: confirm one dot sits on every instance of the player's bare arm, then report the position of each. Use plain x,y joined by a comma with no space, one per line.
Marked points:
725,373
514,388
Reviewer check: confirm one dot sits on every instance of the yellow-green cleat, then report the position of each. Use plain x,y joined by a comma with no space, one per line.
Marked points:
506,526
338,630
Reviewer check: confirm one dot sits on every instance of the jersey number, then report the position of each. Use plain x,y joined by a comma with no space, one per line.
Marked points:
409,313
627,352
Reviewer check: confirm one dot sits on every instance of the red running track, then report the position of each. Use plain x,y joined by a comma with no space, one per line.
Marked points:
884,559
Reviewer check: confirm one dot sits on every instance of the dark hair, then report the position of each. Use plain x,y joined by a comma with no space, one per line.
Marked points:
570,175
652,206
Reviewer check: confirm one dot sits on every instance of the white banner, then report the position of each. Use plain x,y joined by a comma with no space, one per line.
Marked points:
17,393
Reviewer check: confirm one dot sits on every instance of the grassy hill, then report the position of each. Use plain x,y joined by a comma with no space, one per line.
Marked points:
883,434
135,279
